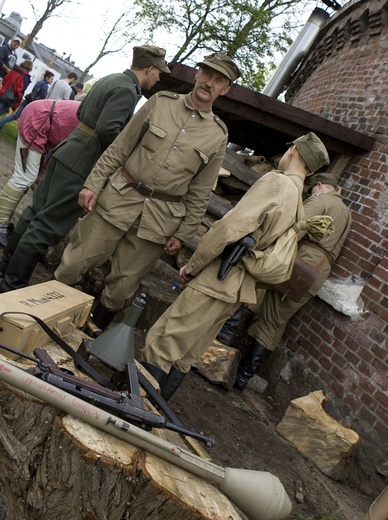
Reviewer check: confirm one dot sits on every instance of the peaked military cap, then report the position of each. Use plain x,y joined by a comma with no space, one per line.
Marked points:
149,55
324,178
312,151
220,62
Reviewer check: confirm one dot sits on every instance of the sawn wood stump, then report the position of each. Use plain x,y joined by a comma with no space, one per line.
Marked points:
56,466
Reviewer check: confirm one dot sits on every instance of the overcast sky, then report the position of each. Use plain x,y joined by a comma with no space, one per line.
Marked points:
79,30
76,32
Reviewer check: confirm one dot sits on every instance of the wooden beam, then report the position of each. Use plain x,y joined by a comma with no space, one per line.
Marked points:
245,104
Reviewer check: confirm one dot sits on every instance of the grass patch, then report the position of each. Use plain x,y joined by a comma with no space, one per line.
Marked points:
9,132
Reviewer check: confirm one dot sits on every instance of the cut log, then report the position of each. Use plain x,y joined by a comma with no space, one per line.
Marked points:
218,206
240,170
56,466
320,438
219,364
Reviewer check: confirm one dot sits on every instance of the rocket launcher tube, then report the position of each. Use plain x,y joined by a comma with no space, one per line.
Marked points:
259,495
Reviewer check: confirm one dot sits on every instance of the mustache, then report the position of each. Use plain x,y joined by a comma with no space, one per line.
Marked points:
206,88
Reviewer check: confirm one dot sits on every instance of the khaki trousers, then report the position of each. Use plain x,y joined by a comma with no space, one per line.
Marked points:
93,242
185,331
272,318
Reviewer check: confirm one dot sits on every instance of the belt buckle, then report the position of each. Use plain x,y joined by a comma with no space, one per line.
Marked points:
147,191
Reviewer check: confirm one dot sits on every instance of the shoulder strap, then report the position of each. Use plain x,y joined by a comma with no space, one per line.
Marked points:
300,209
78,360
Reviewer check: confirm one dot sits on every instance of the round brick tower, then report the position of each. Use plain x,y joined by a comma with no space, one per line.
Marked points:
344,78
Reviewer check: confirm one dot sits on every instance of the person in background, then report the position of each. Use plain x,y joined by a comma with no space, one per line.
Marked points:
186,329
42,126
54,209
61,89
38,92
18,80
161,170
8,56
76,90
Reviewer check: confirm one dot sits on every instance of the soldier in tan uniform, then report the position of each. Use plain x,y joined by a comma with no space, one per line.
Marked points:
54,209
183,333
274,312
161,170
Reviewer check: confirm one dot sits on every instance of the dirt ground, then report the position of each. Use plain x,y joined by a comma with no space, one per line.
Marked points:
244,427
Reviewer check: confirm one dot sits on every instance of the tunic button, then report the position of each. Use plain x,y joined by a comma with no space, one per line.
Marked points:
183,131
165,166
175,148
192,264
192,115
146,200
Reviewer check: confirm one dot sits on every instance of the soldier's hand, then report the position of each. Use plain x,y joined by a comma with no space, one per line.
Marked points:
185,276
87,199
173,245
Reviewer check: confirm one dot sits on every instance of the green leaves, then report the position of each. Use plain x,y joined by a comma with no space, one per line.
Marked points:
250,31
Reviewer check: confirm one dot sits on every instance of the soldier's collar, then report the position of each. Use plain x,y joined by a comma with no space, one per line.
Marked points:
207,112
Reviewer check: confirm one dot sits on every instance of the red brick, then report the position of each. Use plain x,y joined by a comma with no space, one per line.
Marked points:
382,413
367,415
354,403
351,343
354,360
382,429
367,400
382,398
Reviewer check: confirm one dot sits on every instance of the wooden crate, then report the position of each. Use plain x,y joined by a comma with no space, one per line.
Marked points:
61,307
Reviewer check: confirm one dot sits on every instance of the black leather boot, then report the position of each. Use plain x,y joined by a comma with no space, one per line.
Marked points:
172,383
247,368
20,268
156,372
9,250
227,334
101,316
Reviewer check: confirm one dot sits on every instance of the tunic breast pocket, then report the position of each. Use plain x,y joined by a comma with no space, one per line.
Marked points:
200,158
153,138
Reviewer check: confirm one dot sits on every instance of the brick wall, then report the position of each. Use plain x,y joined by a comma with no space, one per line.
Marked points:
344,78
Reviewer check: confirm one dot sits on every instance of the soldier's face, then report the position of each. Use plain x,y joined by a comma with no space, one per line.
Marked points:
209,85
153,75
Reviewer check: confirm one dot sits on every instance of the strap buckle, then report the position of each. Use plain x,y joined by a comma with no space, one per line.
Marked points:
144,189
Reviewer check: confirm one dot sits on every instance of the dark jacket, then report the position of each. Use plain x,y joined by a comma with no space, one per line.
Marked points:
7,58
105,110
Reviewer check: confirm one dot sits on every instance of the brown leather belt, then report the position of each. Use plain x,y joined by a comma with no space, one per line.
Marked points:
314,245
146,191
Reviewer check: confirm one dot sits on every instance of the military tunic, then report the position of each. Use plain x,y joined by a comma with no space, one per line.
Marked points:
54,210
184,332
172,148
274,312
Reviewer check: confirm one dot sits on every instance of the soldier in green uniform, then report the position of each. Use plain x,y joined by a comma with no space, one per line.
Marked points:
54,209
161,170
274,312
183,333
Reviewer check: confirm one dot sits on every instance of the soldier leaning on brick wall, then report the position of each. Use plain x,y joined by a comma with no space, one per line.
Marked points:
274,312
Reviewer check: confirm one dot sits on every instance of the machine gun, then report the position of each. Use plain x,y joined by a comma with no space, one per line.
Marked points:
128,407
